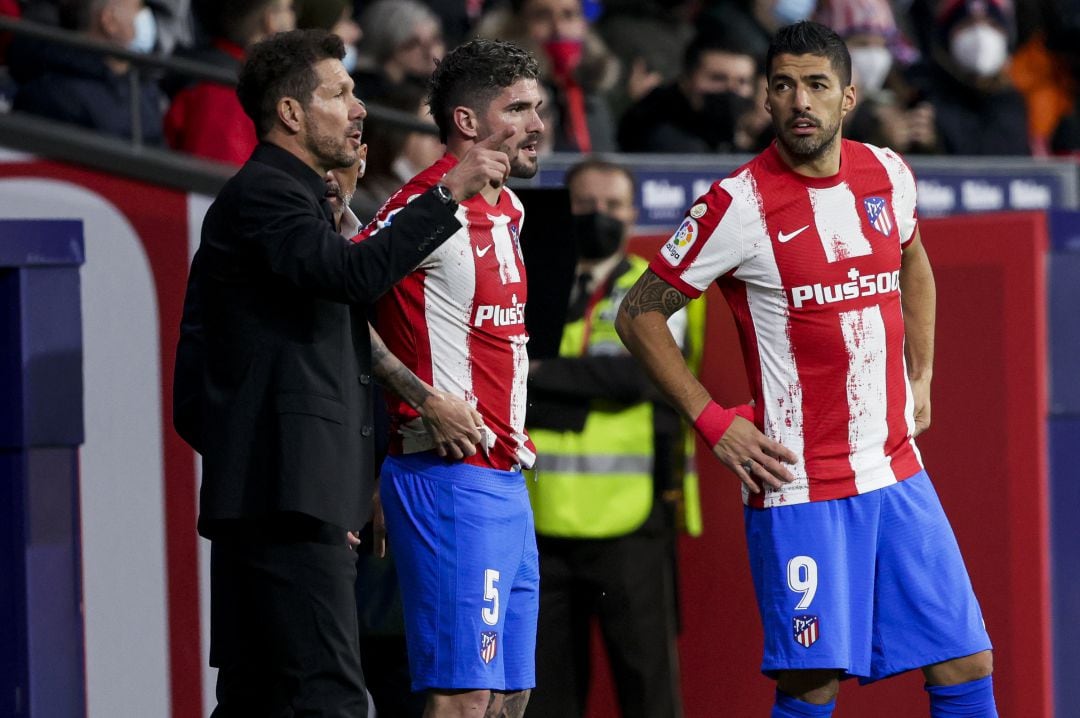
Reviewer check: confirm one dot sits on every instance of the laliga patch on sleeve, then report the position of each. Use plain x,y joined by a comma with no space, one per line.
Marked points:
680,242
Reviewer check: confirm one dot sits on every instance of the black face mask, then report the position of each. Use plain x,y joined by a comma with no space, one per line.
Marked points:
597,235
721,111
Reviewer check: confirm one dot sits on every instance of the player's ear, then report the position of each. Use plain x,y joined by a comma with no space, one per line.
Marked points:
848,103
466,122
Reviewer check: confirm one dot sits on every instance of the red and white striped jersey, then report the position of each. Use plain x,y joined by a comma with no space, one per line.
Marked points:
458,322
810,268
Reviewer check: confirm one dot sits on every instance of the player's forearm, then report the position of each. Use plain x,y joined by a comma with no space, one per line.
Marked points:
646,334
649,341
395,376
919,301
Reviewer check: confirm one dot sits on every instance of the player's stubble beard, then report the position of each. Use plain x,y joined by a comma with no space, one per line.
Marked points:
524,169
519,168
809,148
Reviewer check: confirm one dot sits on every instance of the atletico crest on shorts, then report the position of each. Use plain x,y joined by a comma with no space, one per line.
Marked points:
488,645
878,214
806,628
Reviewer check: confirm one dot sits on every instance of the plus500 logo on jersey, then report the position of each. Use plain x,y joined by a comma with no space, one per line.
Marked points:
859,286
500,316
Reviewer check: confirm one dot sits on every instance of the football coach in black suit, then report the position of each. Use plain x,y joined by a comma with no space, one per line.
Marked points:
273,376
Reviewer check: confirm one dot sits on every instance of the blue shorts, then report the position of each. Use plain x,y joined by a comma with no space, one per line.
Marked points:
871,585
465,546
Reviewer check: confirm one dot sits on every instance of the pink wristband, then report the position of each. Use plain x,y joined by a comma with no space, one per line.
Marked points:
745,411
713,421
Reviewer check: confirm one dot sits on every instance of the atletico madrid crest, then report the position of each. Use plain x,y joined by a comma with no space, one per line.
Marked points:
807,628
878,214
488,645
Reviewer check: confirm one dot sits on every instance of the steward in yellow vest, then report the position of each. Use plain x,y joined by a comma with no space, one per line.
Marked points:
609,471
605,452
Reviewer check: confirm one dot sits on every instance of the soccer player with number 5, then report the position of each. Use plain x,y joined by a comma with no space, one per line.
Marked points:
462,531
815,245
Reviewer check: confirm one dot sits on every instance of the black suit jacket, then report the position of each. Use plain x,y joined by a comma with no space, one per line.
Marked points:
272,383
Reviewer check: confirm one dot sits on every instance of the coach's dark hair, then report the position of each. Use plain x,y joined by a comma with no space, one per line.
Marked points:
810,38
471,75
601,164
283,65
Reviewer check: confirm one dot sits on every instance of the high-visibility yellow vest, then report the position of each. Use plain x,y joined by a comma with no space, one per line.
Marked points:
597,482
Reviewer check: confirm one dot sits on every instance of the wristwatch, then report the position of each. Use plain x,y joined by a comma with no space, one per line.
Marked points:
442,192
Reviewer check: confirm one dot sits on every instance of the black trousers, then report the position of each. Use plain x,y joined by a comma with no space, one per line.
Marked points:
627,583
283,631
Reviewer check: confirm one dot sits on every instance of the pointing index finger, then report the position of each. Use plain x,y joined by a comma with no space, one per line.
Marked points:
498,140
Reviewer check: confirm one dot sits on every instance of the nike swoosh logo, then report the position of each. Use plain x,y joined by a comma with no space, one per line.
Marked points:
481,252
791,235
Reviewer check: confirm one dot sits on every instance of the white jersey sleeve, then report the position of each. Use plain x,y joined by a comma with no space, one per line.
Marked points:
708,244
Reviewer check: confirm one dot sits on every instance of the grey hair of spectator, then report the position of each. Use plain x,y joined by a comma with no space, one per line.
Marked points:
283,65
472,74
388,24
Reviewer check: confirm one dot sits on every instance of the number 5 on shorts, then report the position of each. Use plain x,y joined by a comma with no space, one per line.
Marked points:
490,614
802,578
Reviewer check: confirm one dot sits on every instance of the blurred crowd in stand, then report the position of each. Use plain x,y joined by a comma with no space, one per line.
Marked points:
967,77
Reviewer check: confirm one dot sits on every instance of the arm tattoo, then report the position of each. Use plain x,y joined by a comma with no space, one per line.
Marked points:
395,376
512,705
653,294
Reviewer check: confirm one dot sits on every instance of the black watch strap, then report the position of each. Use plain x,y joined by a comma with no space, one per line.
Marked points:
445,195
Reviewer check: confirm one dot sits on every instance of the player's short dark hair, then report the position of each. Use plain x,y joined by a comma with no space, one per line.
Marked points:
810,38
600,164
471,75
283,65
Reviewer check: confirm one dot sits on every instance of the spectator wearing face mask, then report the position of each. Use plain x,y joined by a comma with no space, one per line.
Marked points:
576,67
402,43
702,110
85,88
878,54
978,111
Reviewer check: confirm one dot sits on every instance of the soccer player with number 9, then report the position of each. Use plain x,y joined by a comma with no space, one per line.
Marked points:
815,245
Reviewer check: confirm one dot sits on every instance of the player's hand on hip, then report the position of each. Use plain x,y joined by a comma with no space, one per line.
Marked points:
754,457
486,162
453,423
